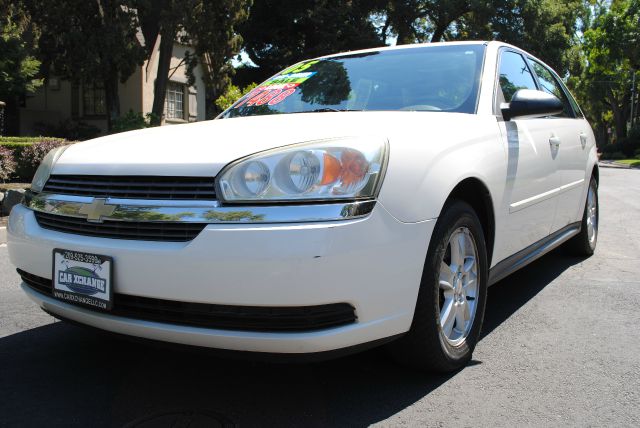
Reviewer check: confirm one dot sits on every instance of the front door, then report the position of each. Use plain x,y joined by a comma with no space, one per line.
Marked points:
532,169
575,140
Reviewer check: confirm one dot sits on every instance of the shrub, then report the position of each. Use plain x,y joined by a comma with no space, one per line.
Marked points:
31,156
610,148
4,141
16,148
613,156
131,121
69,130
7,163
631,143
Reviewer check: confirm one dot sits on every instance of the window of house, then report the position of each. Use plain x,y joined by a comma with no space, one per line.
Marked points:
174,101
94,99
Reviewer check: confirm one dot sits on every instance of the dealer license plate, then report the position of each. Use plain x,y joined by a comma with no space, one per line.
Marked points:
82,278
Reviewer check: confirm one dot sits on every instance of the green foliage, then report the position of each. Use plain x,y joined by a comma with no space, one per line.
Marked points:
131,121
546,28
617,155
68,129
627,147
631,162
233,94
631,144
305,29
610,54
18,141
18,66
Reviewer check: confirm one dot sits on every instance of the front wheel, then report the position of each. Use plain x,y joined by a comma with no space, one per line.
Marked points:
453,291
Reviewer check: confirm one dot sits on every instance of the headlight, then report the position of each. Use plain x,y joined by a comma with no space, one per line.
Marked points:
44,170
344,168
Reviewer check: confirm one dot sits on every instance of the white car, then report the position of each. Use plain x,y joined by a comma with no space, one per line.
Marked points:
352,200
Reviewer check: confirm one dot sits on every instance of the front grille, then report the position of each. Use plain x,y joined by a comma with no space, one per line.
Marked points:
226,317
138,230
133,187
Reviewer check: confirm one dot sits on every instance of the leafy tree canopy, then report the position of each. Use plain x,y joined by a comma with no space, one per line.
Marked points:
279,33
18,66
609,57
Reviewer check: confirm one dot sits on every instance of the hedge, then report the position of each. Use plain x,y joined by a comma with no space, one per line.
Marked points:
27,153
19,140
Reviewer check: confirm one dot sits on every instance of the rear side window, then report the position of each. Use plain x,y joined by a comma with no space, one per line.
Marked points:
514,74
549,84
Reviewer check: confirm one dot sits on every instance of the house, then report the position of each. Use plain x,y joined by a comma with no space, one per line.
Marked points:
58,100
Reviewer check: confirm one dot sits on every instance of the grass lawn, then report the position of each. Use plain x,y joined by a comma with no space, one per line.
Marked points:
630,162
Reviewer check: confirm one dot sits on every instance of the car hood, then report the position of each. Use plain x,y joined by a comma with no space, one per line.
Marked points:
204,148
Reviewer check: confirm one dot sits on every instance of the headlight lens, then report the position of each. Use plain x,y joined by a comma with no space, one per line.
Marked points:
345,168
44,170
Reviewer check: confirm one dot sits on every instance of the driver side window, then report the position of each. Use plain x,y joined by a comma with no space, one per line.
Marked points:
514,75
550,85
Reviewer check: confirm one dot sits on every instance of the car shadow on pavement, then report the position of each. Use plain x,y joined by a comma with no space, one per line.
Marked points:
63,375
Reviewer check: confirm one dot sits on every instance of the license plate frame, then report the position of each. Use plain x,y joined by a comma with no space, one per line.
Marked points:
84,279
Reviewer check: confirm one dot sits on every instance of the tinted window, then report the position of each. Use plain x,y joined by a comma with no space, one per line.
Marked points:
550,85
435,78
514,74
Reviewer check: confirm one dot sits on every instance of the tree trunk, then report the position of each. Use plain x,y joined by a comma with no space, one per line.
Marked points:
441,28
162,78
620,113
620,121
112,98
385,29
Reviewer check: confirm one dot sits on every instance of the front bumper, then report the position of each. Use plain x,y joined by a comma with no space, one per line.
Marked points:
373,263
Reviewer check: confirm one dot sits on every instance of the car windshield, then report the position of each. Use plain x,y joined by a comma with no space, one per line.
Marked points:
432,78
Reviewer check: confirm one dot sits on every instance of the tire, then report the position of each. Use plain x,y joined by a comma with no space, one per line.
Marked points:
584,243
429,345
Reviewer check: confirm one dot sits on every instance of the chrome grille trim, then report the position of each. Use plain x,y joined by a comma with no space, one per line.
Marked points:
209,212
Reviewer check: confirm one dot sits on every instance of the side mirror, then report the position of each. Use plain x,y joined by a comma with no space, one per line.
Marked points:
532,103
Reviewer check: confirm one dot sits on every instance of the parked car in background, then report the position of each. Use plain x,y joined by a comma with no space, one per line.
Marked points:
352,200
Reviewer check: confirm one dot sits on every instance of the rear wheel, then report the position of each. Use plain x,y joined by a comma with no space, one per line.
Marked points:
451,301
584,243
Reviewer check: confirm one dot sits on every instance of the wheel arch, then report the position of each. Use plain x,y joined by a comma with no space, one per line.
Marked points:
474,192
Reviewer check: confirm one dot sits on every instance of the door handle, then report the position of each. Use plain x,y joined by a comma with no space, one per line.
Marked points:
583,139
554,141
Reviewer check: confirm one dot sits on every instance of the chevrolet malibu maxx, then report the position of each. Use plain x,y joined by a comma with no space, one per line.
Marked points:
353,200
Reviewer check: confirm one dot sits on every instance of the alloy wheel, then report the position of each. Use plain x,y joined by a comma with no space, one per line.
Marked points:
458,287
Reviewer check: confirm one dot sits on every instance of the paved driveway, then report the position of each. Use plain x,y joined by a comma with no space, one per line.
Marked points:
561,346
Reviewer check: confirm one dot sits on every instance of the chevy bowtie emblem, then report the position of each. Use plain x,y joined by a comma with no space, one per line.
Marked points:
96,210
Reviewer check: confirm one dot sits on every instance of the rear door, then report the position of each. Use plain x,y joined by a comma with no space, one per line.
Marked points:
532,160
573,133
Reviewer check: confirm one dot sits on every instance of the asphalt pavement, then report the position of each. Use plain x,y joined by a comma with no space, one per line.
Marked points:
560,346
